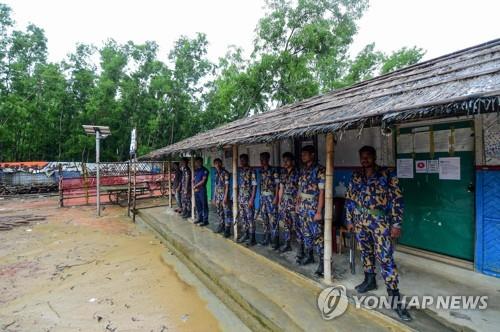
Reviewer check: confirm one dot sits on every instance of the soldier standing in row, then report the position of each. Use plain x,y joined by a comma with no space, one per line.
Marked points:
221,198
176,186
200,192
374,209
286,201
247,184
186,189
269,182
310,204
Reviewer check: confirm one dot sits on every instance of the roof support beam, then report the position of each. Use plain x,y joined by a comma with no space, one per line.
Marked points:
327,260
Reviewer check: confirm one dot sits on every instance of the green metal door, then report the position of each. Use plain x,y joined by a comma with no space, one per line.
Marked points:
439,198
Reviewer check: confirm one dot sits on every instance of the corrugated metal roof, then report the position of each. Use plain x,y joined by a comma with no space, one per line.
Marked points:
464,82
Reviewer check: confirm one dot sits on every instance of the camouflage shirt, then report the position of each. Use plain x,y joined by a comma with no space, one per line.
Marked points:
380,192
221,180
312,180
246,180
269,179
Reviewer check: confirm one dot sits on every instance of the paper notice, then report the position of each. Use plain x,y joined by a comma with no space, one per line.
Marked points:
421,142
405,143
449,168
433,166
421,166
442,140
405,168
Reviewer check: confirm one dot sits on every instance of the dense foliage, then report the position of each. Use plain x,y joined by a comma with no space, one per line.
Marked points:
301,48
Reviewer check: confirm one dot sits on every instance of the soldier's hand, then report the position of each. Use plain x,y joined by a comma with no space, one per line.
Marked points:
250,204
275,201
318,216
395,232
350,228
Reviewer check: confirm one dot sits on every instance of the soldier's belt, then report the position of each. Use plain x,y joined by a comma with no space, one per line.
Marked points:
306,196
372,212
287,196
267,193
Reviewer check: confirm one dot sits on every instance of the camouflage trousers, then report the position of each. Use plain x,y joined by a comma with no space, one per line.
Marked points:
312,231
186,203
374,239
246,215
268,215
288,219
223,211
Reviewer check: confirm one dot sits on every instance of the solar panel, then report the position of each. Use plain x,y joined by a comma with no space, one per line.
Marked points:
91,130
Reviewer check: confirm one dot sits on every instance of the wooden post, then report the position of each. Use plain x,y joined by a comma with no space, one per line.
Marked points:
135,188
129,192
193,200
235,191
330,146
169,181
61,193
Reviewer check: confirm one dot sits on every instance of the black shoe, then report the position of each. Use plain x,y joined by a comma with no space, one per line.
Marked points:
308,258
266,240
251,240
300,252
203,224
185,216
227,231
244,236
398,306
286,247
368,284
197,222
276,242
319,271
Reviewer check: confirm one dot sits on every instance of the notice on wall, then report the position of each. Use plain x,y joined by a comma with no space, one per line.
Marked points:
421,166
449,168
405,143
405,168
433,166
442,140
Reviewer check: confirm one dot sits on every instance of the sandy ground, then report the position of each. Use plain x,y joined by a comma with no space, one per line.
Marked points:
73,272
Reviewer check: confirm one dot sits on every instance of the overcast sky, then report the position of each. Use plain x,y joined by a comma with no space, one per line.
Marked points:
438,26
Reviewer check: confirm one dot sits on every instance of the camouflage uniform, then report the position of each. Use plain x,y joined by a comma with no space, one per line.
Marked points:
287,214
186,190
246,180
223,210
269,180
311,181
374,205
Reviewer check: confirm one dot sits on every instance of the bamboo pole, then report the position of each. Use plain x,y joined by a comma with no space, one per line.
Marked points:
129,192
169,181
135,187
193,200
235,191
327,260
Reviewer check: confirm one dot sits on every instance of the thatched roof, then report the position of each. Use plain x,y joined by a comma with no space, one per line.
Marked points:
464,82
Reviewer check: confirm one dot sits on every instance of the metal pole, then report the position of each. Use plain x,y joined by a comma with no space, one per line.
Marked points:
98,187
135,188
193,200
169,181
330,143
61,194
235,191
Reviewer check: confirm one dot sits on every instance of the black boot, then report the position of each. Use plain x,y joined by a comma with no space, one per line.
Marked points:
220,228
300,252
197,222
368,284
398,306
251,240
276,242
319,271
227,231
244,236
308,257
266,240
286,247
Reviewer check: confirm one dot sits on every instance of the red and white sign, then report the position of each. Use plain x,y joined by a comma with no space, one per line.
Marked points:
421,166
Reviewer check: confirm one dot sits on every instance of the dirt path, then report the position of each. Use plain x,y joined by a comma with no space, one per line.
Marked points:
74,273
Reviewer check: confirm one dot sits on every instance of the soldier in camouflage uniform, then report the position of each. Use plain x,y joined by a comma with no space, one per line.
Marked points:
286,202
310,203
269,184
221,198
247,184
374,209
186,188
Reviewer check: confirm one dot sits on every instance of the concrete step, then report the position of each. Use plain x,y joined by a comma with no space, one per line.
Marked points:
264,295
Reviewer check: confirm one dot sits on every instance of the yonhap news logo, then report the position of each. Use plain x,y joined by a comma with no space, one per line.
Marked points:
333,302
